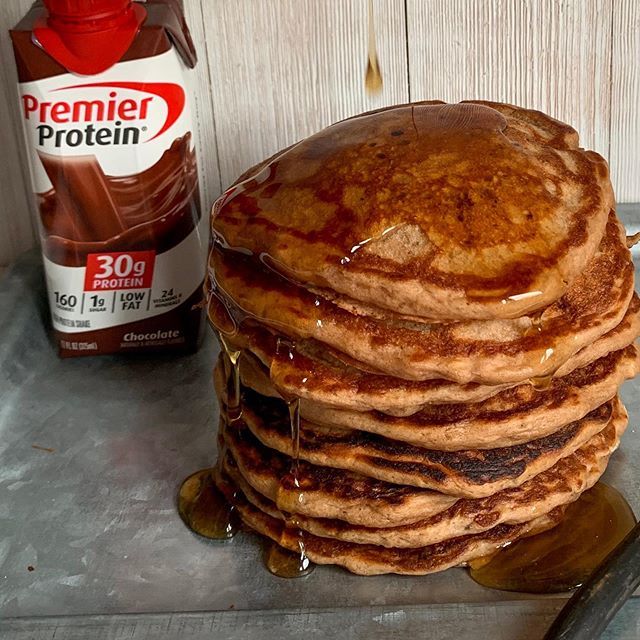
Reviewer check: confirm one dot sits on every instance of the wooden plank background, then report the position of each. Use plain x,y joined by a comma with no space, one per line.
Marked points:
273,71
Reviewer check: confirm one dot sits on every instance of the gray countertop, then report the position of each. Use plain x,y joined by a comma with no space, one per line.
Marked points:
92,452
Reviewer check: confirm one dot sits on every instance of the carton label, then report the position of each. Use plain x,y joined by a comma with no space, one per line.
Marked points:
121,270
114,172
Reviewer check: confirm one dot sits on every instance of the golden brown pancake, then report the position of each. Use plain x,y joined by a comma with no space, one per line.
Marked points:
513,416
469,473
446,295
558,486
328,492
492,352
327,497
365,559
453,211
319,375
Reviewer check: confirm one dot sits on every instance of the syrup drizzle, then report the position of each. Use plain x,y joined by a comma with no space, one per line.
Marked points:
294,422
234,399
205,510
536,325
562,558
372,77
280,561
543,382
356,247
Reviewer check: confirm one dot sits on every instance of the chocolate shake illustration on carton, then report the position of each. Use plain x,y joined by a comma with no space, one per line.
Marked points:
107,121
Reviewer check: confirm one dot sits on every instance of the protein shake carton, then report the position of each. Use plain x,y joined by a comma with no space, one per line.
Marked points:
105,109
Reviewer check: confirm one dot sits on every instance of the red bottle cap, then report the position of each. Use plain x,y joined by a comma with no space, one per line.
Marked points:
89,36
80,9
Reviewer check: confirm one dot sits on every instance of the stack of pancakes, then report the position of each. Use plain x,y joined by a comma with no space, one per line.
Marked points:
431,308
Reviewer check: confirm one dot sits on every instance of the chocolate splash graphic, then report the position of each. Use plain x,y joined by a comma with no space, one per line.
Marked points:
90,212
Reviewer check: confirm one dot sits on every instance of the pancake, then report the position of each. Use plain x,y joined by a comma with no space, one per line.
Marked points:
491,352
328,492
469,473
320,375
425,314
462,211
374,560
619,337
555,487
511,417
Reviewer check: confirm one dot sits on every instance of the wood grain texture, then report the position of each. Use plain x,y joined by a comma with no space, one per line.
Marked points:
281,70
552,55
17,231
274,71
202,105
625,100
521,620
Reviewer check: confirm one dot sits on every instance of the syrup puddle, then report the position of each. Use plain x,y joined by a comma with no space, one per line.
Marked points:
201,505
287,564
204,509
562,558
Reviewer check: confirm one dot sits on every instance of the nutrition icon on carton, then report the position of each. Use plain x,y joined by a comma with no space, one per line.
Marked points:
105,109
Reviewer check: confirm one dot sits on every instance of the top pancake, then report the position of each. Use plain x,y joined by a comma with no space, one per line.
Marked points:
460,211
